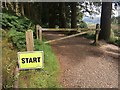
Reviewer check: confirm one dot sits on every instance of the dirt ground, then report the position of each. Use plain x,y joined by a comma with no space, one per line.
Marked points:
84,65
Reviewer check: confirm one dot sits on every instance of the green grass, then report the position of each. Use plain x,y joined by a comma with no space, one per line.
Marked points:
14,41
114,37
39,78
42,78
90,35
9,59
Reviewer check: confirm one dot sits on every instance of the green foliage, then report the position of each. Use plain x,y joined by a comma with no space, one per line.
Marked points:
90,35
112,37
18,39
17,27
9,59
45,78
11,21
42,78
114,20
117,42
82,25
118,19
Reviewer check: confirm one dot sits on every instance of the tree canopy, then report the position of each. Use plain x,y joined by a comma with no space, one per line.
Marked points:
63,14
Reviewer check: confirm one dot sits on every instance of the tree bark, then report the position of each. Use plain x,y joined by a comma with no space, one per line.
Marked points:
6,7
28,4
62,17
17,8
51,15
73,15
22,8
105,21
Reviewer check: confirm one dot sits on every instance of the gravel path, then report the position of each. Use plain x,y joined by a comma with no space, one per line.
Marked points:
83,65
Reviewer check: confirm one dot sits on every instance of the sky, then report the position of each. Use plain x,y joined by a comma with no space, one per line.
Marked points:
96,18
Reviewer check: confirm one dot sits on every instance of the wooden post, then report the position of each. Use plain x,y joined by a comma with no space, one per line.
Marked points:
40,34
16,77
30,47
37,28
29,40
97,34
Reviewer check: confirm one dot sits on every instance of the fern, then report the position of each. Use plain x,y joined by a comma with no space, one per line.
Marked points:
17,27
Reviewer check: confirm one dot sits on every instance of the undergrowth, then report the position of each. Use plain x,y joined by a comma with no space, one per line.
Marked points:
114,38
13,42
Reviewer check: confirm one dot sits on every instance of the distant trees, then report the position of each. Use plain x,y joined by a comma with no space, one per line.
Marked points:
50,14
22,8
63,14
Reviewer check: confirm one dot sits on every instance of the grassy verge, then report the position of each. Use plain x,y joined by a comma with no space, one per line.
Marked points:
9,59
40,78
13,42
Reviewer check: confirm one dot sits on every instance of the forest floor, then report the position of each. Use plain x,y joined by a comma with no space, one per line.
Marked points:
84,65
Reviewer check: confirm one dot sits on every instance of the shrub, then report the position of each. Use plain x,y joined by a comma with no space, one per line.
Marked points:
117,42
17,38
17,27
82,25
112,37
11,21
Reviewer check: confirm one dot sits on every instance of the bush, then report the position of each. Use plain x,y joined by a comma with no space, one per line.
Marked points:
11,21
45,78
17,27
82,25
117,42
112,37
17,38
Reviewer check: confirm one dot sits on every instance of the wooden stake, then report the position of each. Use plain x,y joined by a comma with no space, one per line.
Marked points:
16,78
37,28
40,35
97,34
29,40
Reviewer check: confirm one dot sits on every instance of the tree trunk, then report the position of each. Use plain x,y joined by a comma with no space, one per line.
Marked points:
6,5
62,15
40,13
22,8
51,15
106,21
17,8
28,4
73,15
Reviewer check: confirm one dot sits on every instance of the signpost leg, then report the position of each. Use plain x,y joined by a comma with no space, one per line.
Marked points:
16,77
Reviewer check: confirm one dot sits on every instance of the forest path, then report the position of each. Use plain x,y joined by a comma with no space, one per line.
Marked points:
83,65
